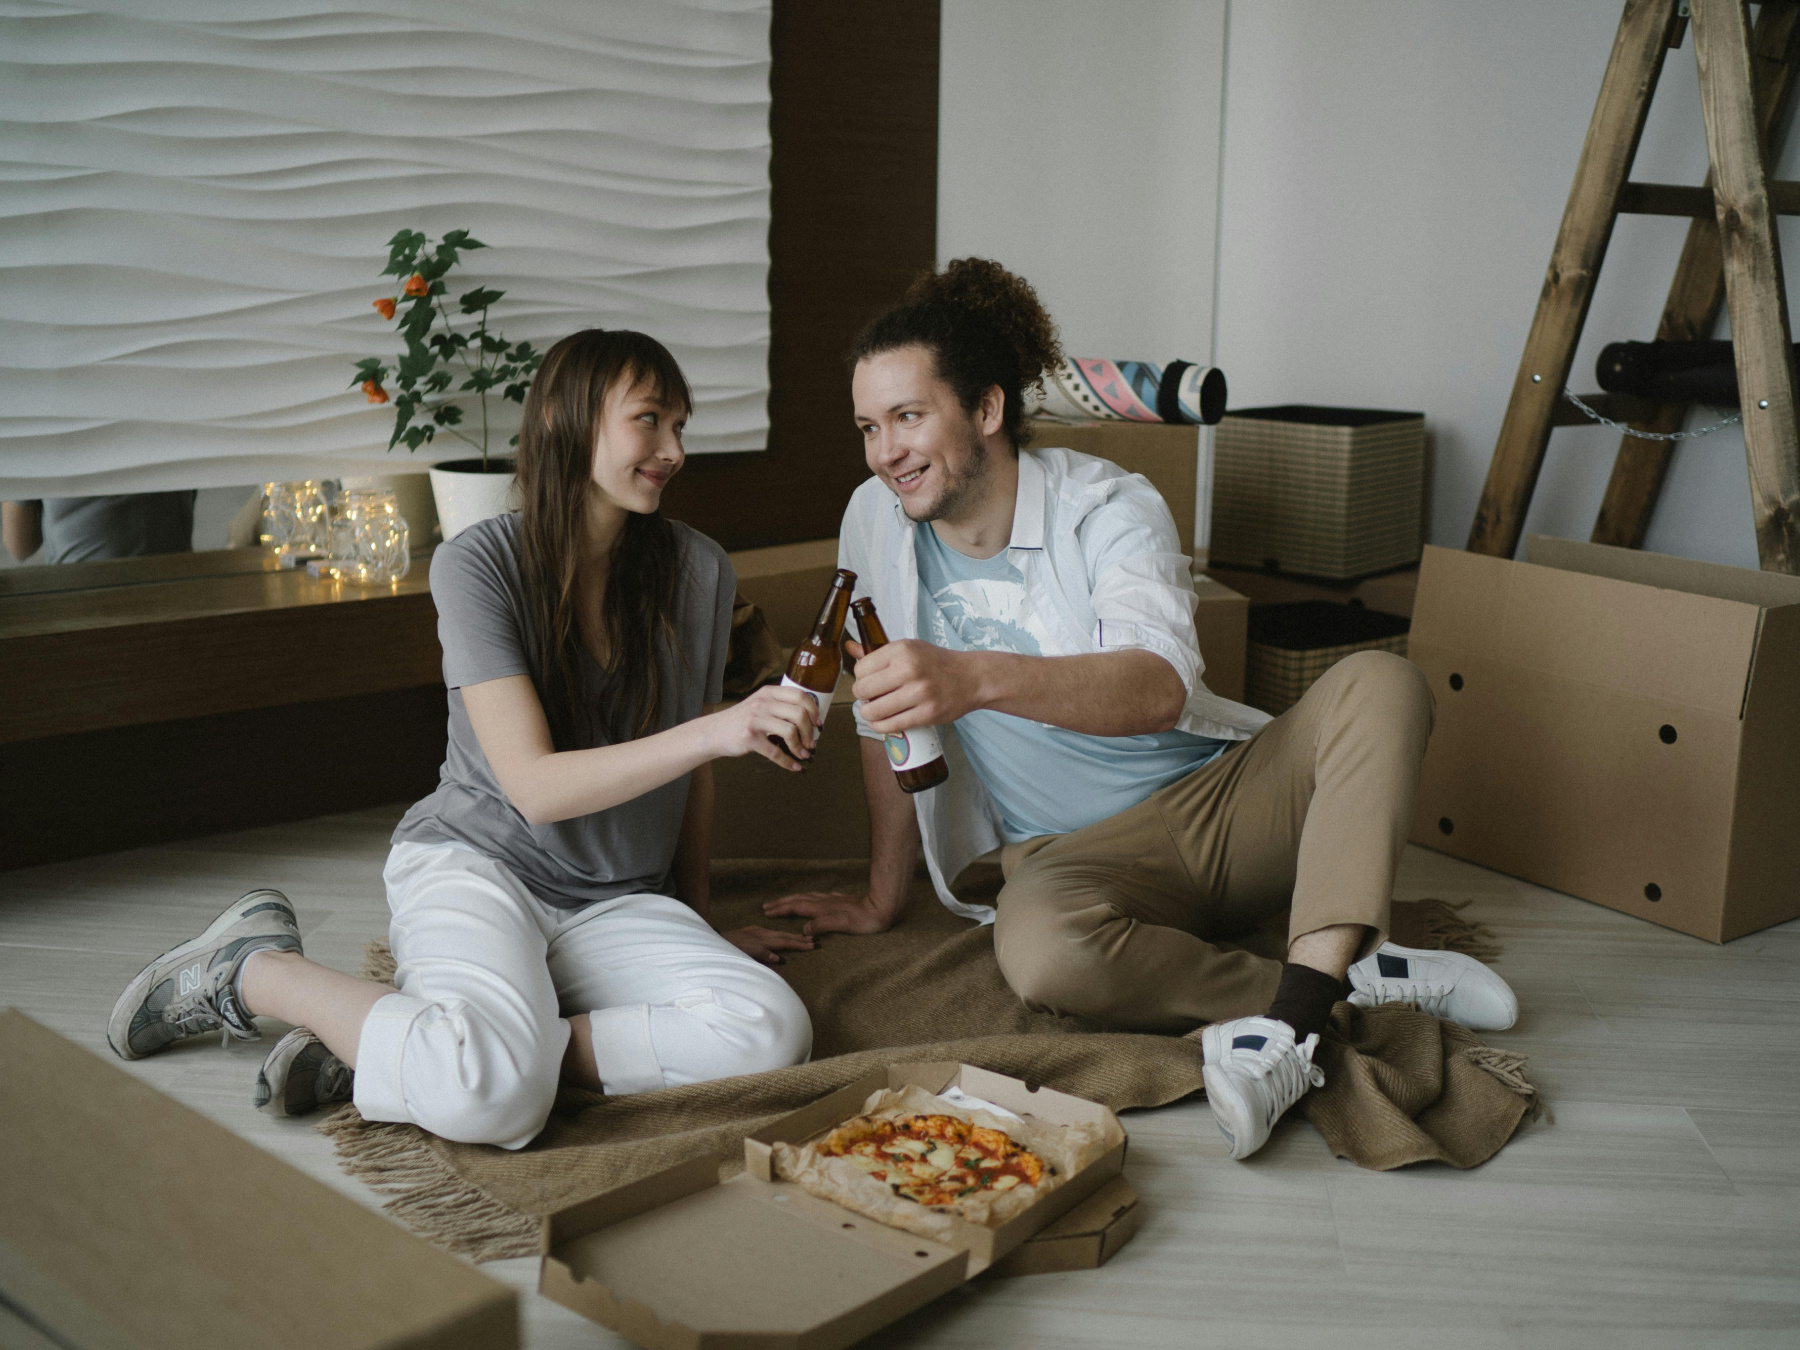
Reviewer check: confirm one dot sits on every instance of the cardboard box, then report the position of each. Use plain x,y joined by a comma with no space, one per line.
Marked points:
127,1219
1618,725
1322,492
1221,620
1085,1238
1167,454
788,584
683,1261
763,811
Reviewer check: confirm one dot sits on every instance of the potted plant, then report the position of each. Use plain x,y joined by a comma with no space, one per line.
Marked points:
443,369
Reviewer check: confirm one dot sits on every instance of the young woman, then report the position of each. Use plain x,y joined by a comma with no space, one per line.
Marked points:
550,899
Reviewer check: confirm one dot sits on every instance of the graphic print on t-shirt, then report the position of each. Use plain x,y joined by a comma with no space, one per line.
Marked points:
987,614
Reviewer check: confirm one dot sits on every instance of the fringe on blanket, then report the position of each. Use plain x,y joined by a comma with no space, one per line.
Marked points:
1444,929
399,1162
378,962
1509,1067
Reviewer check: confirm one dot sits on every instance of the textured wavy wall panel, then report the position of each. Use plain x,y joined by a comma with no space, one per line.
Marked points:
195,199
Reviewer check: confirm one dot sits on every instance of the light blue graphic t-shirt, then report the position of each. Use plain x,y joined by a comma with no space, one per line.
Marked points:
1044,779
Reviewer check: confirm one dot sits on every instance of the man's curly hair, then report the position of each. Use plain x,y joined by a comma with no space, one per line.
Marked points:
984,327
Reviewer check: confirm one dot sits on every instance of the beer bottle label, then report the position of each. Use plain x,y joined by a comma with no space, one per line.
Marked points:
913,749
822,700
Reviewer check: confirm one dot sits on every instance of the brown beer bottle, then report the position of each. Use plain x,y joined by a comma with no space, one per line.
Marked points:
917,756
815,663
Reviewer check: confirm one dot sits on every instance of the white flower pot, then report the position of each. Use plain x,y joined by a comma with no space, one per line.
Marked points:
465,495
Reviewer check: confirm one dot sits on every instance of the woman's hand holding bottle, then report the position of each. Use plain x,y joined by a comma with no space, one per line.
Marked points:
778,722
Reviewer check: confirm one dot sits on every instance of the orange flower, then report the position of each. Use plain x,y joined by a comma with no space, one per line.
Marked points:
385,307
374,392
416,285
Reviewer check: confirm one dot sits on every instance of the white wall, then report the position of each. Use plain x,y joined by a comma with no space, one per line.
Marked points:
1078,145
200,193
1394,175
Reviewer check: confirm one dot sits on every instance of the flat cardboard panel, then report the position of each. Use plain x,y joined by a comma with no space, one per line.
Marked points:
1658,644
1570,785
1768,590
748,1262
129,1219
1461,599
1764,886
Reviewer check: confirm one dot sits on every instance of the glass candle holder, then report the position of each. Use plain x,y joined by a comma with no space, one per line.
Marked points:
367,540
296,519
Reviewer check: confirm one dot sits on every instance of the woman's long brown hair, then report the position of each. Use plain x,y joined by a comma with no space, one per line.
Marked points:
556,454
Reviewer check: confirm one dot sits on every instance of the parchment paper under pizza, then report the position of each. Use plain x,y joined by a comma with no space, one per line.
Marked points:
918,1162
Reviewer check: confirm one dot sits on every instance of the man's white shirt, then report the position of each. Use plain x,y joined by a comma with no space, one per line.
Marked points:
1103,572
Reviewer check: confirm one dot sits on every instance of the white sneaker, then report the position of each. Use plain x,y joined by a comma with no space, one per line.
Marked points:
1449,985
1254,1072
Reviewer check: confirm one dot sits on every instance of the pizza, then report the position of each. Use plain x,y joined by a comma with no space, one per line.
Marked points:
919,1162
934,1160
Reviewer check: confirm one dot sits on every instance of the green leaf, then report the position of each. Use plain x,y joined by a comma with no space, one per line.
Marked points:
447,415
517,392
479,298
490,343
438,381
514,440
417,436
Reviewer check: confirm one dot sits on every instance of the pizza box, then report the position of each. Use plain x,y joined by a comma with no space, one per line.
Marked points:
1083,1239
681,1260
129,1219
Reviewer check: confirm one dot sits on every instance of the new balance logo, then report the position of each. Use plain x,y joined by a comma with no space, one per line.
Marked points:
190,979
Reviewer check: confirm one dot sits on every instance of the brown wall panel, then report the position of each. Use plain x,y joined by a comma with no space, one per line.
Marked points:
124,787
853,217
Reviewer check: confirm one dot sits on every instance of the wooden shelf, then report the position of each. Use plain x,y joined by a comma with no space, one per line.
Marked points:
128,652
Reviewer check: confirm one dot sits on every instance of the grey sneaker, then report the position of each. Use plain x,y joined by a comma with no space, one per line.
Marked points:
188,989
301,1075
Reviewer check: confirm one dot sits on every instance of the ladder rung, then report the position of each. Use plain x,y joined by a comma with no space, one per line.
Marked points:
1667,199
1619,407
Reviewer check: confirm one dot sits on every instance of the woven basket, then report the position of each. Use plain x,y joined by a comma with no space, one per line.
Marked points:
1291,645
1323,492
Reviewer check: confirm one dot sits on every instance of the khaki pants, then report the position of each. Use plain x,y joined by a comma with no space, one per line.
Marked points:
1118,921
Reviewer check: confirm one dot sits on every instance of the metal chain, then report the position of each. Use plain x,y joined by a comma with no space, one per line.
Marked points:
1605,421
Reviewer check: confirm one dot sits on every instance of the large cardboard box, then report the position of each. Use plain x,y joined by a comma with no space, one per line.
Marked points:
1618,725
1167,454
129,1220
683,1261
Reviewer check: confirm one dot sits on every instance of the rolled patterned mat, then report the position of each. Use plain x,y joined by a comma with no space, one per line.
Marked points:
1090,389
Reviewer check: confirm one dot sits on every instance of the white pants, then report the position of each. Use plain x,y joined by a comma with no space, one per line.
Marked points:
471,1045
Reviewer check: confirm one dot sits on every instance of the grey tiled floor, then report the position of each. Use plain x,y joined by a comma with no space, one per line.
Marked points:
1660,1209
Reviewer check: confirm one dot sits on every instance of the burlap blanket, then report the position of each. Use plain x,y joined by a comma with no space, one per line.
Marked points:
1401,1086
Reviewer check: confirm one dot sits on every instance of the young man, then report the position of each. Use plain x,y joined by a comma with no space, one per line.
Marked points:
1042,615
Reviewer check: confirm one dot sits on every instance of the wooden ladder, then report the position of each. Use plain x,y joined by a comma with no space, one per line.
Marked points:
1731,254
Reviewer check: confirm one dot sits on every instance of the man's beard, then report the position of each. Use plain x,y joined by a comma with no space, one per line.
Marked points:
958,491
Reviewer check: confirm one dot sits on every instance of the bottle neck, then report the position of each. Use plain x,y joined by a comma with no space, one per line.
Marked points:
829,626
869,627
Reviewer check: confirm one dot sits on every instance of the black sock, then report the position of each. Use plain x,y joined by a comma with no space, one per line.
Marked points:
1304,997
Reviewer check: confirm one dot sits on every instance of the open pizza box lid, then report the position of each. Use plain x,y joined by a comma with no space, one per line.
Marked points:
683,1261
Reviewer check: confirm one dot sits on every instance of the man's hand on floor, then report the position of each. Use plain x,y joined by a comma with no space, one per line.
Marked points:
833,912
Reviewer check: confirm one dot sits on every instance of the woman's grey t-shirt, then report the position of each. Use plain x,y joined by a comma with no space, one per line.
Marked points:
487,634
